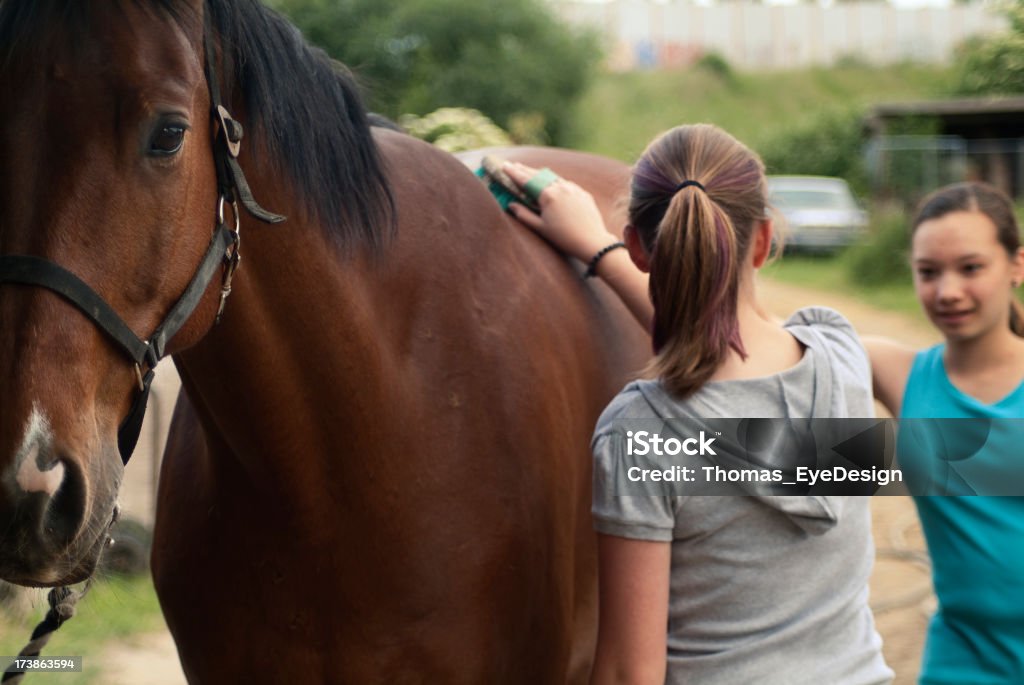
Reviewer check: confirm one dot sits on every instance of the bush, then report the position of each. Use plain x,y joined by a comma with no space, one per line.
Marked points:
716,64
829,145
514,61
883,257
455,129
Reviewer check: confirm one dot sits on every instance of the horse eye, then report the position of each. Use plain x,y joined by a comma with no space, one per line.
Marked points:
167,140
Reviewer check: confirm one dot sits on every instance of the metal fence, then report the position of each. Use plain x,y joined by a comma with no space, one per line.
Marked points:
907,167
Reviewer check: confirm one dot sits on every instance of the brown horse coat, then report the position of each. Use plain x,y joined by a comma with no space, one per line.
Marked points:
411,503
381,471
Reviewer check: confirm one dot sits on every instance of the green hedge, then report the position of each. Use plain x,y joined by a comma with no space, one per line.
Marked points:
882,258
831,144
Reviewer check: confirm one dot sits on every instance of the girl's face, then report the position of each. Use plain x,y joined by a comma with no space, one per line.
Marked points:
963,275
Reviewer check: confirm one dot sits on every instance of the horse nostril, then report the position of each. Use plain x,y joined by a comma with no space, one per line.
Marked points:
66,509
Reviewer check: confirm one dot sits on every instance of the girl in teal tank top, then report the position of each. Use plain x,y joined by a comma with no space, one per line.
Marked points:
976,543
967,260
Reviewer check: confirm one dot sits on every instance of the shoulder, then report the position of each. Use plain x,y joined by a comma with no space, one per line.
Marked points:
899,371
842,370
923,366
634,401
823,327
911,365
638,517
825,321
929,356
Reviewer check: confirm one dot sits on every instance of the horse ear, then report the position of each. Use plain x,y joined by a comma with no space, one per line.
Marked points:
635,246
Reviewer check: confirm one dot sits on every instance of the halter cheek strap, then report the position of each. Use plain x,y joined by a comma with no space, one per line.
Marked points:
222,251
36,271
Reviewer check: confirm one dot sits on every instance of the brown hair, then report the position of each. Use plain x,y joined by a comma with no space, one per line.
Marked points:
697,236
993,203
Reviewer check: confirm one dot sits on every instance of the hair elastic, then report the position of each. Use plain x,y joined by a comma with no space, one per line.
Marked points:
686,184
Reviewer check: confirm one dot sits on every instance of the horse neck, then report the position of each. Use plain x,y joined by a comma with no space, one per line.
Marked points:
298,335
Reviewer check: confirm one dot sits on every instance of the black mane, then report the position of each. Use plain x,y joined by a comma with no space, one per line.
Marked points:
302,109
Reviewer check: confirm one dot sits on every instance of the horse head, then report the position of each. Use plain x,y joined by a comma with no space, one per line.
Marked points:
108,194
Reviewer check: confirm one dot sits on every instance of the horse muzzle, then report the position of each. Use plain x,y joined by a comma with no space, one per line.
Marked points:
53,525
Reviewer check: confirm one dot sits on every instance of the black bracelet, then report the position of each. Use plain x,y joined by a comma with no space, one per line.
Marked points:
592,266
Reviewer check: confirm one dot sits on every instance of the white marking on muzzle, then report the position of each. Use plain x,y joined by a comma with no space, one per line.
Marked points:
30,477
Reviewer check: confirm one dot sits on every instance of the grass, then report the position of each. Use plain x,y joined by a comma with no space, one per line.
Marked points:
831,273
621,113
115,609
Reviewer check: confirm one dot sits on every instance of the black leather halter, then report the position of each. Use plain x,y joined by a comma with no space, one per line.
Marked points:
222,251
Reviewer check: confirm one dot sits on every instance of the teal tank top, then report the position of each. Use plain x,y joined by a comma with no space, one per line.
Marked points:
976,543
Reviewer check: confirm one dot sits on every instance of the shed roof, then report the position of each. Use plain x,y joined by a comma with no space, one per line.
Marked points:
986,117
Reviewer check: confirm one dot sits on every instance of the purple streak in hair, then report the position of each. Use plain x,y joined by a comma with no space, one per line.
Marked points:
725,255
648,179
722,323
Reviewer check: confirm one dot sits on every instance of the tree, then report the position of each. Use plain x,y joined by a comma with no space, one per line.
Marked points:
994,65
512,60
830,144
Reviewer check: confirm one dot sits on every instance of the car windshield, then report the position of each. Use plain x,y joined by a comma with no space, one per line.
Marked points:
817,198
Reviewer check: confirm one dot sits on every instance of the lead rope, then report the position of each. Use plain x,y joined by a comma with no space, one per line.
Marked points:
62,607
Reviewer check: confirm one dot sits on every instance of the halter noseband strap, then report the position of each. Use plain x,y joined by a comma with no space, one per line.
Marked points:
223,250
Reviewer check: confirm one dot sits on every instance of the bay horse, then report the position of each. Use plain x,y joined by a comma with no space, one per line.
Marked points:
379,468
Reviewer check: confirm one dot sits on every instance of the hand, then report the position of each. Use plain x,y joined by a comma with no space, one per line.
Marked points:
568,218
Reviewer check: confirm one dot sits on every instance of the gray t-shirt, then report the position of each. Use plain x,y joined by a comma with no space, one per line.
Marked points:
764,590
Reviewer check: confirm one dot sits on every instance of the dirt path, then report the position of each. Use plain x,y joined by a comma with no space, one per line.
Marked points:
150,658
900,585
782,299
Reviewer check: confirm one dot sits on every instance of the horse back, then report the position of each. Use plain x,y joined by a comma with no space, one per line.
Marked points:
442,491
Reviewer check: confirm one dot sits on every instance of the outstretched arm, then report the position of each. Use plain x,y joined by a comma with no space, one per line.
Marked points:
890,367
570,220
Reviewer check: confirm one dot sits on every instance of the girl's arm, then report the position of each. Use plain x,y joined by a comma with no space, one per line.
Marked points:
570,220
633,601
890,367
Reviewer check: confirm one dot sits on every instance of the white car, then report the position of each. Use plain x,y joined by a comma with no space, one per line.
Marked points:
820,212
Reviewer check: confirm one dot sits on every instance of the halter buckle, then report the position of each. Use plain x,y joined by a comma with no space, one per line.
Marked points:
234,209
231,256
138,376
229,273
231,130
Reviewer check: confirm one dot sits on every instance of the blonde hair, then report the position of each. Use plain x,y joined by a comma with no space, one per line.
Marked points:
698,237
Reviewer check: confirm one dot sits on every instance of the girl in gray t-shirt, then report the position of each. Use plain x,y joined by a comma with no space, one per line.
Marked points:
718,589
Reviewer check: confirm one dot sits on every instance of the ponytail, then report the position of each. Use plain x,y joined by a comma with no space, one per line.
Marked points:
696,195
694,286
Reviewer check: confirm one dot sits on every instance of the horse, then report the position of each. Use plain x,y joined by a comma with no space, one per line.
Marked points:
378,469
